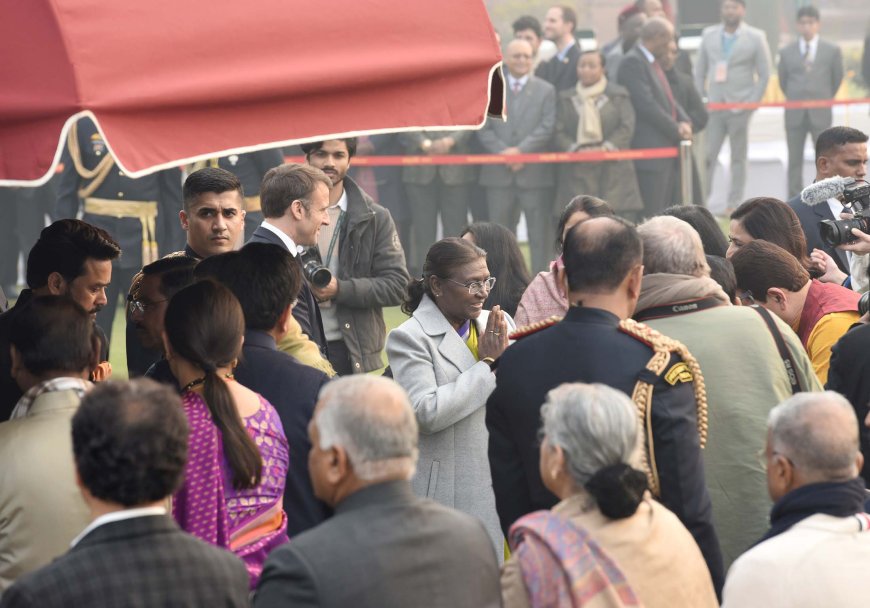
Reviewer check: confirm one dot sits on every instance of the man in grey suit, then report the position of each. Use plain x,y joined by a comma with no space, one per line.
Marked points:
384,547
531,119
432,189
809,68
733,66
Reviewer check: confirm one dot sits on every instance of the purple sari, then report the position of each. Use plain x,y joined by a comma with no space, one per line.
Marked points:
249,522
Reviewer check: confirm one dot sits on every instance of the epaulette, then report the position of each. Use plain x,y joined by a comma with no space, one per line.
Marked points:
687,370
533,328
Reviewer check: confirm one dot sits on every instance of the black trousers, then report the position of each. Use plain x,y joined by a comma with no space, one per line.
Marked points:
339,357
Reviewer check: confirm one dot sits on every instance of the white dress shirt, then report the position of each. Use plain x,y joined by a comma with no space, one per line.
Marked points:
117,516
285,238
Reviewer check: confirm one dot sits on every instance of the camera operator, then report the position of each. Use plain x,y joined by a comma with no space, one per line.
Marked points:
840,151
361,249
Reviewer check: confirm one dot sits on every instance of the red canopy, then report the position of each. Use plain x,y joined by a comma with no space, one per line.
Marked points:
172,81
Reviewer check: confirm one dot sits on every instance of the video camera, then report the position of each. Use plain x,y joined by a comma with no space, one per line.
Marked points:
856,200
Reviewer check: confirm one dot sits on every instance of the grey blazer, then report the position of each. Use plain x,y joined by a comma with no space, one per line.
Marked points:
748,65
531,119
451,175
821,81
448,390
384,548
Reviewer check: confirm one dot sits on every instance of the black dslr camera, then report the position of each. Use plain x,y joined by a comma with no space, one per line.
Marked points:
313,268
856,200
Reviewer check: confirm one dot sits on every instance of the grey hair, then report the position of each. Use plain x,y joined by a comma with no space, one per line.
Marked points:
814,440
379,444
595,425
673,246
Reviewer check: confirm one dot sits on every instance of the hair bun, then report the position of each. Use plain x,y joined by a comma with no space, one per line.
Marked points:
618,489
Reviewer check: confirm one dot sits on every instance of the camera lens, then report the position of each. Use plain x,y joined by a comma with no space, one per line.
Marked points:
319,276
839,232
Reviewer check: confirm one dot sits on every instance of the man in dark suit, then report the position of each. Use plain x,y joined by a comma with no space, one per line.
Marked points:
141,214
384,546
809,68
295,200
561,71
266,280
531,120
839,151
661,121
594,343
130,445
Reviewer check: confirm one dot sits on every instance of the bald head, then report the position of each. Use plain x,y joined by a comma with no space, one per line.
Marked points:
657,35
599,253
818,432
518,57
372,419
671,245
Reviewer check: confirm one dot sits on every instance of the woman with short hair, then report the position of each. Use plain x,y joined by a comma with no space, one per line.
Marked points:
445,357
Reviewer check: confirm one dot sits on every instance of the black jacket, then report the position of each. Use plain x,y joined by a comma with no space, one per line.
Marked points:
849,375
654,127
292,389
587,346
562,74
9,391
810,218
306,311
143,562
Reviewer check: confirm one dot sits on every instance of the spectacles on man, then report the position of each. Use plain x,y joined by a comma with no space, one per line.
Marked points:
476,287
746,298
138,306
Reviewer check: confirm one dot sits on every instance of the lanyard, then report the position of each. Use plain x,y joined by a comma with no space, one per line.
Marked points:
334,240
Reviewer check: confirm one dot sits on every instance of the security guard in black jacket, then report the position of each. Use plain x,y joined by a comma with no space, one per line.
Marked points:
250,169
603,262
141,214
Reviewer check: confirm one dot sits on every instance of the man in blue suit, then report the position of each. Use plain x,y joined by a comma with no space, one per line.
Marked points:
266,280
840,151
295,199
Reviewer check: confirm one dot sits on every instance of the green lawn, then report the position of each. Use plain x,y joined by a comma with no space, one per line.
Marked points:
393,317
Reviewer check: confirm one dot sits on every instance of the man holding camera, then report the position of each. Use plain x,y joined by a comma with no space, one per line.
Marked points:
294,200
840,151
360,247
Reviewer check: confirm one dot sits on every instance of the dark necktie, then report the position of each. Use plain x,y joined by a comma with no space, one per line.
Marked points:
667,87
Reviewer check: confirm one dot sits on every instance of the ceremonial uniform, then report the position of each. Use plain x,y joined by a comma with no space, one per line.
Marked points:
250,169
140,214
589,346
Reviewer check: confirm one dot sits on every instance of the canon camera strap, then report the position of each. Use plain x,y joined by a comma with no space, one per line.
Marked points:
678,308
784,352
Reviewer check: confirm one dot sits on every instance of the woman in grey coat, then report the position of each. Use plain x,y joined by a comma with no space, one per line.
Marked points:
444,356
596,115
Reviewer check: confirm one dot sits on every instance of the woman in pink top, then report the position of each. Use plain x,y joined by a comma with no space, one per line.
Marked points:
544,296
237,463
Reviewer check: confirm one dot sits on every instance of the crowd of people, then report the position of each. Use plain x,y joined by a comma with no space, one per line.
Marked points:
652,396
